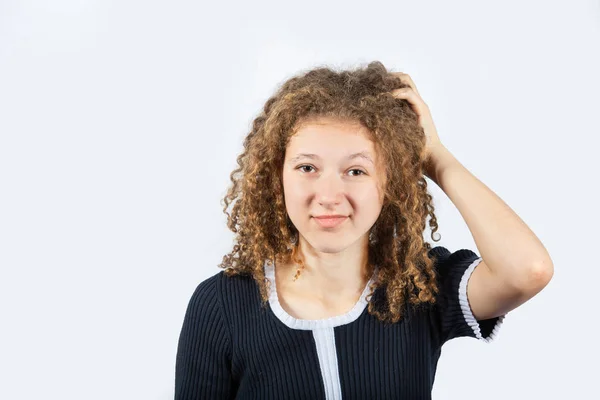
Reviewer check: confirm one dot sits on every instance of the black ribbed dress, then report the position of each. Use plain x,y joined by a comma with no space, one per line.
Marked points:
231,348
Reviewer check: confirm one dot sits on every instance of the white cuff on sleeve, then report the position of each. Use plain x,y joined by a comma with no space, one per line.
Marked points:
466,308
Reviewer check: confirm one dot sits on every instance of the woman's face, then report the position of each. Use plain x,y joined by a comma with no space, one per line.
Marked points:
331,168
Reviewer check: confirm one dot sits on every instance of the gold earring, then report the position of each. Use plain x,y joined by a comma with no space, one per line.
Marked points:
298,270
294,255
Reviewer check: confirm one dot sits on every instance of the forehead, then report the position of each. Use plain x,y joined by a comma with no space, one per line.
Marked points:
330,136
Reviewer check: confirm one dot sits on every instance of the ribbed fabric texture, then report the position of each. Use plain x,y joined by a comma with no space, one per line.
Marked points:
231,348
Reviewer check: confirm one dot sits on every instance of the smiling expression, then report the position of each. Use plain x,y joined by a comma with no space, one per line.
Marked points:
332,183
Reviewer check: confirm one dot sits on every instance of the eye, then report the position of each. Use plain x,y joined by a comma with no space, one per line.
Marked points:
359,170
303,169
304,166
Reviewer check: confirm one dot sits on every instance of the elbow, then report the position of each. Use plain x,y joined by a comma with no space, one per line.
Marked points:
539,275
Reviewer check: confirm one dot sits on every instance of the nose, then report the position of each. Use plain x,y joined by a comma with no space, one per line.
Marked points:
329,190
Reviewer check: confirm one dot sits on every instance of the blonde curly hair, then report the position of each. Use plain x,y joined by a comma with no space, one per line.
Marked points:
263,230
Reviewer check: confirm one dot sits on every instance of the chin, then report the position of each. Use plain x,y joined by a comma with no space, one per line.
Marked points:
327,245
329,249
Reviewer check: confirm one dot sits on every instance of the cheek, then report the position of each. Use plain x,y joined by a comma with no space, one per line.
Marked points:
368,196
368,203
294,196
293,191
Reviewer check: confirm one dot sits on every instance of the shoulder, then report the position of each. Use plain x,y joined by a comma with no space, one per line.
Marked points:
443,256
205,302
449,263
220,295
208,288
453,316
219,284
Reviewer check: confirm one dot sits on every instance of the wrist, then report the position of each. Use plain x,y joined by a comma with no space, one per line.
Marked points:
439,157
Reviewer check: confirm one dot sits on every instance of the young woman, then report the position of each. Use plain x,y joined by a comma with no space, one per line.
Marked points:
330,291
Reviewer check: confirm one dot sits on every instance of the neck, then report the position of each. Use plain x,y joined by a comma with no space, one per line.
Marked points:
327,275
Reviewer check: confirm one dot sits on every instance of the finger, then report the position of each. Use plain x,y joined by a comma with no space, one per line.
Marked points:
405,78
410,95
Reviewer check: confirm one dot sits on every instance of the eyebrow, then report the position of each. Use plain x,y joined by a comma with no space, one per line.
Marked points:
360,154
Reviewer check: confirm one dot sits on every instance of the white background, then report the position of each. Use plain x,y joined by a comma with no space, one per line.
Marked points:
120,122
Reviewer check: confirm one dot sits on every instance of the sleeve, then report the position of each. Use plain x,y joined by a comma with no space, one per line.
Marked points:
452,312
203,362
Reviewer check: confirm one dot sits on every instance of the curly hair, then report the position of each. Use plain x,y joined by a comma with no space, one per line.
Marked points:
263,230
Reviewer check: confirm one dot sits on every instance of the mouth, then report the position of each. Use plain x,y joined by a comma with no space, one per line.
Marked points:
329,222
